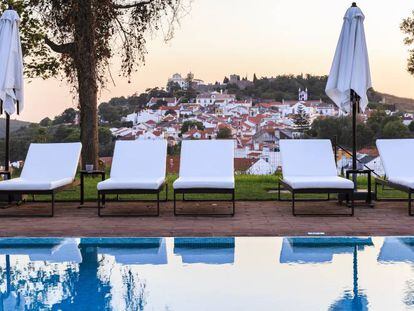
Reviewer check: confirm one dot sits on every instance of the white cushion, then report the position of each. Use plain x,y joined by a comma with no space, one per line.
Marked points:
51,162
139,164
307,157
21,184
204,182
142,183
318,182
404,181
47,167
206,164
397,156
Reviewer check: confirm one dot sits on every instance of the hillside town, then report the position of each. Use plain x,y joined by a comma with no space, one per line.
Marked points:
256,126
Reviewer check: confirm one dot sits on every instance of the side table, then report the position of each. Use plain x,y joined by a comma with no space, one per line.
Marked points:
84,173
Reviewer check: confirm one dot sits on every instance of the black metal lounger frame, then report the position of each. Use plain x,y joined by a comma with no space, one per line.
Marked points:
348,192
387,183
51,192
102,200
205,191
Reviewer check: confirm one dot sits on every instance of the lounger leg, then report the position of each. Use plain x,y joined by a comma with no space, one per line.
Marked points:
175,204
352,204
166,192
99,204
53,205
409,204
278,190
234,203
158,203
293,204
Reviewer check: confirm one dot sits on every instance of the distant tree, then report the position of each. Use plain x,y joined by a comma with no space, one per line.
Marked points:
411,126
225,81
42,135
109,113
160,103
301,119
378,120
190,92
157,92
224,133
45,122
254,78
341,129
105,135
64,133
188,125
173,87
67,116
395,129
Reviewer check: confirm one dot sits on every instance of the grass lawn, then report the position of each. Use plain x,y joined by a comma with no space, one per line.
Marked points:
248,188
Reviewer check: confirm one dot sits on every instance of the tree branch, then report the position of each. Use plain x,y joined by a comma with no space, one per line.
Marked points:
132,5
66,48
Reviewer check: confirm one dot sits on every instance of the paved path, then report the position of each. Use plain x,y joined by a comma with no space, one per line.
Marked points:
252,219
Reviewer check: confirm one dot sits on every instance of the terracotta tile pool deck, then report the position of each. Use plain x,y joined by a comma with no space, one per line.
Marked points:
262,218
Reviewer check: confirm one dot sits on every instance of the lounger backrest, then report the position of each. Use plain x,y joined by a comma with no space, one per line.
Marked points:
397,157
139,159
51,161
207,158
307,157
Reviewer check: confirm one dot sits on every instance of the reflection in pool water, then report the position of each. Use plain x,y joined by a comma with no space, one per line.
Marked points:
207,274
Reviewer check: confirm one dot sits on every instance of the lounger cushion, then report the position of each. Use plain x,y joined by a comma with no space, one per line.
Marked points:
204,182
51,162
206,164
139,164
142,183
47,167
397,157
404,181
307,157
21,184
318,182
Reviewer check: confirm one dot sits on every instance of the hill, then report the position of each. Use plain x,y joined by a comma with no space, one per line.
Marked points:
401,103
14,126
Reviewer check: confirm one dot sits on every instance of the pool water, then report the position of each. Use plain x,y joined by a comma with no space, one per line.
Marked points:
309,273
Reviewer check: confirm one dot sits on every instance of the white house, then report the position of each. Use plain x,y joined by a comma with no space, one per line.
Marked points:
260,167
143,117
177,78
170,101
208,99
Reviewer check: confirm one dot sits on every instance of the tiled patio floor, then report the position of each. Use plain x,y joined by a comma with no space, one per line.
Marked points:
252,219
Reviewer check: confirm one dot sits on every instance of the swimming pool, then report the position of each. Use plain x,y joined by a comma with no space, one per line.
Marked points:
309,273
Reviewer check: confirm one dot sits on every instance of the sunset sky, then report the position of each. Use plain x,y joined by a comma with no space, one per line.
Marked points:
266,37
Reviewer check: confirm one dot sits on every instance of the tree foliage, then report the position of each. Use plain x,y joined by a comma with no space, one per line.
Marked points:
301,119
378,125
84,36
188,125
224,133
407,27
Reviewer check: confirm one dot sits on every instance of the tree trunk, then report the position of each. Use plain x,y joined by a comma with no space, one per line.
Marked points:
85,63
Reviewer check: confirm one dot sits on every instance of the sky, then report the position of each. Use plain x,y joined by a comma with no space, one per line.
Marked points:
267,37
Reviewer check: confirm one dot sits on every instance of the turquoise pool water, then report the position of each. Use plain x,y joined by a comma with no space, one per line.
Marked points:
207,274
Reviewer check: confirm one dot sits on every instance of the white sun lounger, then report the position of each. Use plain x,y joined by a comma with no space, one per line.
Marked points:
138,167
308,166
47,169
398,162
206,166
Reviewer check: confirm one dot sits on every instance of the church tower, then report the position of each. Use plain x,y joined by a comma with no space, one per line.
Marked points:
303,95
